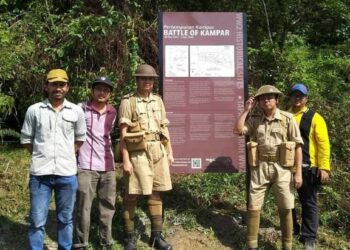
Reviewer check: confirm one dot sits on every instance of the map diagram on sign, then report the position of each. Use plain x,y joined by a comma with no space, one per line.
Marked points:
176,62
212,61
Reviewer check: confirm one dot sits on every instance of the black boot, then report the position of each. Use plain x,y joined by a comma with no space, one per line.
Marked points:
129,242
158,242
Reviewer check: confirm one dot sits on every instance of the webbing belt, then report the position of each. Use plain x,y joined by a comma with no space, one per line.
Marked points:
268,158
152,137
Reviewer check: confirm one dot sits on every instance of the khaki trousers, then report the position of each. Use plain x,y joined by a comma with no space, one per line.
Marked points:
271,174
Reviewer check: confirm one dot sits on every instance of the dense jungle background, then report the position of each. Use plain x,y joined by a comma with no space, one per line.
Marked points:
289,41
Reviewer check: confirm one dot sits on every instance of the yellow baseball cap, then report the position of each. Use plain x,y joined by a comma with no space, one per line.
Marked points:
57,75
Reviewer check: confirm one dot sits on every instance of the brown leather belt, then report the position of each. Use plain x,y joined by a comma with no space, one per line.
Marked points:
152,137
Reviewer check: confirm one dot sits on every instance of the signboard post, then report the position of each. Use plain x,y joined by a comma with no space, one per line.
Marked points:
203,81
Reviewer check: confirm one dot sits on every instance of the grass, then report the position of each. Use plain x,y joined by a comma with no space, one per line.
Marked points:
210,208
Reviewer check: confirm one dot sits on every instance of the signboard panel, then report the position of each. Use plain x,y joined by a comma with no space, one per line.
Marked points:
203,81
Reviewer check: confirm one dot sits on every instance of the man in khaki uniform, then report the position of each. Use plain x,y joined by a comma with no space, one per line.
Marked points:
269,131
147,155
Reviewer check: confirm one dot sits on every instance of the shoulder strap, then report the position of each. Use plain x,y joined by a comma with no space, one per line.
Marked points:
305,128
306,120
133,108
284,120
284,124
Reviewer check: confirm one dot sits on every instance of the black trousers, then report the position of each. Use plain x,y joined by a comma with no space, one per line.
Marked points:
308,200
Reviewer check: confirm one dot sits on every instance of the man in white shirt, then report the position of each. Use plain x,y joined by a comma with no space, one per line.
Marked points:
52,132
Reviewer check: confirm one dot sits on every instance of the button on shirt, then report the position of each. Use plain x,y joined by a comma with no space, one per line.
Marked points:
53,135
96,152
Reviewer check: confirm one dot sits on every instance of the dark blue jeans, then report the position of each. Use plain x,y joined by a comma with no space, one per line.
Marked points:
308,200
41,188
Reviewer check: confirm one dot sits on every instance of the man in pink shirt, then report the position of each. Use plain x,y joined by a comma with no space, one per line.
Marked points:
96,167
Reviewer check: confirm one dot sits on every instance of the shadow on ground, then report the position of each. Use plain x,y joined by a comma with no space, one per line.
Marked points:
13,235
225,220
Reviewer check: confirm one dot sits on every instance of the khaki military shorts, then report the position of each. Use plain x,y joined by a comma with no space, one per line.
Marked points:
151,170
279,178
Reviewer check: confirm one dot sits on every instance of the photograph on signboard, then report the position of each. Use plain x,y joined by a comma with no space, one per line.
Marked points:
212,61
176,62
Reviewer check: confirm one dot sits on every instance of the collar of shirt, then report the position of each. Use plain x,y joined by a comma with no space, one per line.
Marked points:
276,116
150,98
46,104
89,106
302,111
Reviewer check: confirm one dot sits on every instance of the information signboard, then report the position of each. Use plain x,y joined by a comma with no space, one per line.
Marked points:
203,81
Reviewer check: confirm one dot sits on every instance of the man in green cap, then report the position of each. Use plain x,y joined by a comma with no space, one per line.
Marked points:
273,150
147,155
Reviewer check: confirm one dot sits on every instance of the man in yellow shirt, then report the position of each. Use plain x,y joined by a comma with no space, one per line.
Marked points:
316,163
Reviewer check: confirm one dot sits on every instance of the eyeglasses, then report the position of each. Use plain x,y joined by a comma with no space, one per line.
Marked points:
267,97
103,89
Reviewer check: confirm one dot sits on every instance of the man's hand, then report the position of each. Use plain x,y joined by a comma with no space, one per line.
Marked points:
171,158
128,168
323,175
298,181
249,104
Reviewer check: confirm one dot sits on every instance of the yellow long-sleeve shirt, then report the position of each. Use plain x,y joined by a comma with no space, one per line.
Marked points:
319,146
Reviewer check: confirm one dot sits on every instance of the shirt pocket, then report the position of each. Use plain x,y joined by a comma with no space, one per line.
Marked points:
69,119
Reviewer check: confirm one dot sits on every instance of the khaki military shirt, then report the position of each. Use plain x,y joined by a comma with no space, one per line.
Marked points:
150,113
271,133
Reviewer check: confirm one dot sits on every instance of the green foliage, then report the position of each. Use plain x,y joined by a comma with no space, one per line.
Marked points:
326,73
209,190
13,183
7,103
9,132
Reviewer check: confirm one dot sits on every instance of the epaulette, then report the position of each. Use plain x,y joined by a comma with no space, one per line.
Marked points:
127,96
286,117
286,114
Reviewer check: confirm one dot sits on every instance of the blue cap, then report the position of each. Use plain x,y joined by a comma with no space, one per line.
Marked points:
103,79
299,87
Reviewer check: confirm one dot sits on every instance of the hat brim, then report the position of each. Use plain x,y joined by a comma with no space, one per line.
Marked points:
107,83
147,75
297,90
274,93
58,79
